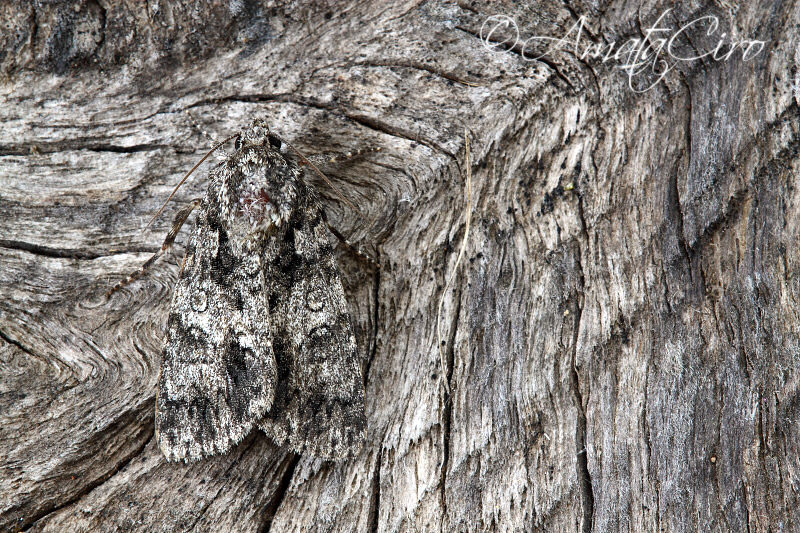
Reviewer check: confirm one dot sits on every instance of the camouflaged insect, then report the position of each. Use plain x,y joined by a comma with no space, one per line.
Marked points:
258,332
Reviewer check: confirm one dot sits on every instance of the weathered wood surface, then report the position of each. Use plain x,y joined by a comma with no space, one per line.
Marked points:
622,353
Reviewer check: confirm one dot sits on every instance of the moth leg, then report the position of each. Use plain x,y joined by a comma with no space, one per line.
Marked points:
350,246
180,218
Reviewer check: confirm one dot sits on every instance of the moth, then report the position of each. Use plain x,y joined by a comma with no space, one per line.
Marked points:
258,333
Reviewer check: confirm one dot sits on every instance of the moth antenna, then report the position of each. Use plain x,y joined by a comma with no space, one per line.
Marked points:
352,247
180,218
305,160
216,146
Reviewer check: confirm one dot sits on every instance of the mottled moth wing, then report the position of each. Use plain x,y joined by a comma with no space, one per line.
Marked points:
319,395
218,369
258,331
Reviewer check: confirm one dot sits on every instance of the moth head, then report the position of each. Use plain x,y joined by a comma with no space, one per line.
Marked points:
258,134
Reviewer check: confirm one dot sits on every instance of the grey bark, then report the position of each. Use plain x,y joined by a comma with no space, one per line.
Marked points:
621,341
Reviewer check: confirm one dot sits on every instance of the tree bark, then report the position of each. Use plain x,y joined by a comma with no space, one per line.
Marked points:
621,338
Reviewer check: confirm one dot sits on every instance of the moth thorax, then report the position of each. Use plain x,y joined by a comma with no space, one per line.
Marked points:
257,206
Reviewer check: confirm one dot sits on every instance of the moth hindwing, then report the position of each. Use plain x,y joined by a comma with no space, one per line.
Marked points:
258,332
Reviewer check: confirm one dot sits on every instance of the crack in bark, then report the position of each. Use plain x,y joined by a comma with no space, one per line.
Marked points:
762,449
245,98
91,486
34,30
376,125
375,496
447,415
674,183
19,345
649,448
584,477
375,315
714,470
746,506
46,251
104,24
26,149
280,494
